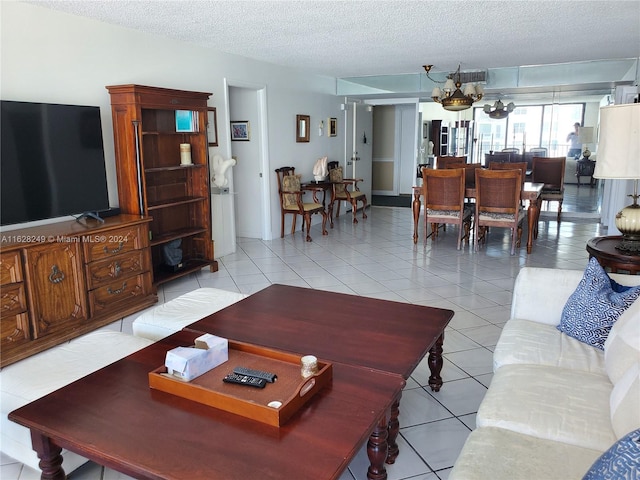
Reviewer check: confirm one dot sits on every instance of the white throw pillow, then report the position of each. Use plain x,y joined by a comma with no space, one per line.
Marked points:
625,402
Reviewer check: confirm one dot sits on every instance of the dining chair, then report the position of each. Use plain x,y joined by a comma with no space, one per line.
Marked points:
345,189
469,172
443,194
291,202
550,171
443,161
538,151
522,166
511,150
498,204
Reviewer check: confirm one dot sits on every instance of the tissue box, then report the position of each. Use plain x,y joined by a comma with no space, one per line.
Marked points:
187,363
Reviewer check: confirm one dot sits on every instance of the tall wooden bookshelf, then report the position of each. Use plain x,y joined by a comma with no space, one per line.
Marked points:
149,130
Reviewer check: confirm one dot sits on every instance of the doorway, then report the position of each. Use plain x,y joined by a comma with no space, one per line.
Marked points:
250,186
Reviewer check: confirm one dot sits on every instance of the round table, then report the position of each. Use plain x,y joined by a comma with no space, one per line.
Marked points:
604,250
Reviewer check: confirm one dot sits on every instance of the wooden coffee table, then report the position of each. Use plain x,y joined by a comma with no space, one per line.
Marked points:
388,336
113,418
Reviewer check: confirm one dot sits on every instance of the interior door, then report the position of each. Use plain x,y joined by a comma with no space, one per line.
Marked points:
358,152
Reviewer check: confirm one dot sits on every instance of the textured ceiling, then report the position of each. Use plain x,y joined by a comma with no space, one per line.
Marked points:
358,38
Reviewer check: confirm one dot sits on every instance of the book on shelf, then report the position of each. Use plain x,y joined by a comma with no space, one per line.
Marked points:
186,121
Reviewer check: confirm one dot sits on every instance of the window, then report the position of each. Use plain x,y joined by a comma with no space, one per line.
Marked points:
526,127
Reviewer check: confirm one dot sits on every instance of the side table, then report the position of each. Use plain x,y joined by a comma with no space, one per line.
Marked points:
585,168
604,250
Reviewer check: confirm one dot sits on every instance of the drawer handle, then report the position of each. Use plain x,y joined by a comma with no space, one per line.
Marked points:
56,276
117,269
115,250
117,291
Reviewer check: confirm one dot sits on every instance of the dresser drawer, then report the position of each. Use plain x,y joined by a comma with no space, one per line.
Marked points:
13,298
115,242
10,268
122,266
14,331
118,293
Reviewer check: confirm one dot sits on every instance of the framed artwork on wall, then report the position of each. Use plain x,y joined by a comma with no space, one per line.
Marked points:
240,131
212,127
302,128
333,127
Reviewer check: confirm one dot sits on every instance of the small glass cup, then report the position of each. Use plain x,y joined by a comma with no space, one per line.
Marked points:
308,366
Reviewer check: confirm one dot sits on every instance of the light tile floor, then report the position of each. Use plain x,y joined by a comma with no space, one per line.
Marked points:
377,258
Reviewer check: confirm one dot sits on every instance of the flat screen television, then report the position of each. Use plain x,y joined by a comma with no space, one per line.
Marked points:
51,161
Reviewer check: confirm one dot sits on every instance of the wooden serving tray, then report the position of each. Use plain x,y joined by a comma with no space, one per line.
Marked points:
290,389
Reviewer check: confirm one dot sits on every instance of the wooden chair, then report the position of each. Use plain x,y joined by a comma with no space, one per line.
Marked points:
442,162
550,171
510,166
345,189
443,194
469,172
498,204
291,202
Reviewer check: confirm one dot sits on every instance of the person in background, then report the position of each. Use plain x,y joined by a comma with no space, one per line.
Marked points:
575,146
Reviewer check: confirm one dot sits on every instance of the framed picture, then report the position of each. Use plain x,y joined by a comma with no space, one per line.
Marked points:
302,128
212,127
240,131
186,121
333,127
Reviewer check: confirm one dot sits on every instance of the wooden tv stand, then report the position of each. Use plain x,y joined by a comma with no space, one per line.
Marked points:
60,281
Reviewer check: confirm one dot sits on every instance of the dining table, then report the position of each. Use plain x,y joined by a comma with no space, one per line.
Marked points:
530,193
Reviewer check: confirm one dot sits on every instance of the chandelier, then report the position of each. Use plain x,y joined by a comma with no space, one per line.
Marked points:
451,97
499,110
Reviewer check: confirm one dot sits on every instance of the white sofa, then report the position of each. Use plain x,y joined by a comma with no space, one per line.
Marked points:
40,374
555,404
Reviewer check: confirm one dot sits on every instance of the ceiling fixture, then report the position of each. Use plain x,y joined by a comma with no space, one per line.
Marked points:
451,97
499,110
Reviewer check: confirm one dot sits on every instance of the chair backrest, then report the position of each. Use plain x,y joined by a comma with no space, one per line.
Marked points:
539,151
511,150
288,182
420,167
336,177
550,171
496,157
498,191
469,172
332,164
522,166
442,162
443,189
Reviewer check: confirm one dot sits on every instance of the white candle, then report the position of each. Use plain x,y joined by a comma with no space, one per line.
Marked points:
185,154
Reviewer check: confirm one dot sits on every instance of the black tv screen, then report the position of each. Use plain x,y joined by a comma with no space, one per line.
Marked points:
51,161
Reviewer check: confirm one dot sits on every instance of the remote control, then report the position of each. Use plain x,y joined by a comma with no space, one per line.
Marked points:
269,377
245,380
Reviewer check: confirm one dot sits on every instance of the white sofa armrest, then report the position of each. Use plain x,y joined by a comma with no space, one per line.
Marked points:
539,294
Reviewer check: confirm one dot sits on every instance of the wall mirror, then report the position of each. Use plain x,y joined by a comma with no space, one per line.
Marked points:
302,128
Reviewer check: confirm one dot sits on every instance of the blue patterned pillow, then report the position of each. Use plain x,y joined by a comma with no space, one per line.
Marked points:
595,305
620,462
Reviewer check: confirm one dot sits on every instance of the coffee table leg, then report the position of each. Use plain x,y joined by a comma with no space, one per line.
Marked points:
377,451
435,364
394,428
49,455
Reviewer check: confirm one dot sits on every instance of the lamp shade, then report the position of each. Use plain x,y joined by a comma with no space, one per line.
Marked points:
619,145
586,134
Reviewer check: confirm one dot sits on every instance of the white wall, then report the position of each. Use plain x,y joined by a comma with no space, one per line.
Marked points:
54,57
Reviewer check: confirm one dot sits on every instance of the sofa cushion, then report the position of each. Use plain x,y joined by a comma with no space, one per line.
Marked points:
499,454
163,320
625,402
553,403
622,348
40,374
524,341
595,305
620,462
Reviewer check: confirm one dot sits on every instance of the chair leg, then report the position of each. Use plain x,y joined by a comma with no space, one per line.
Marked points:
354,210
324,223
338,209
307,221
475,237
331,214
293,224
364,206
559,209
282,225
